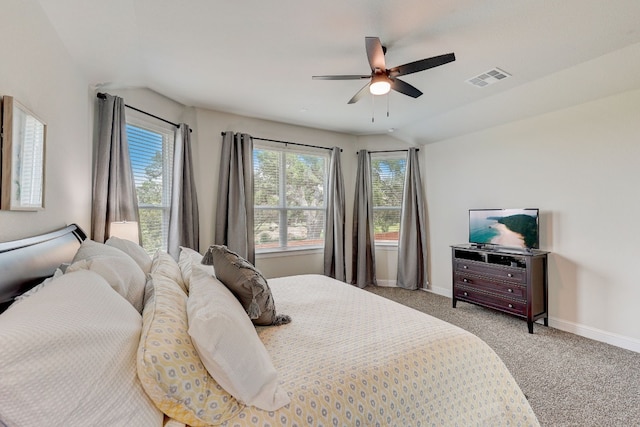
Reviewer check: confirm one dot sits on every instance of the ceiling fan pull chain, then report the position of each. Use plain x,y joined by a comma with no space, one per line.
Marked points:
387,104
373,108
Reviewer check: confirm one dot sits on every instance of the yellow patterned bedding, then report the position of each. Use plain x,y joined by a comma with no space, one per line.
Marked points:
352,358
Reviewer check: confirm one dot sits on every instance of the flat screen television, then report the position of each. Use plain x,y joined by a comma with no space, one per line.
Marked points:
511,228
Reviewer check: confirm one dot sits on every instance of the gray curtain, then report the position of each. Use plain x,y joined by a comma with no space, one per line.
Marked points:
363,258
114,191
334,260
184,227
234,212
412,243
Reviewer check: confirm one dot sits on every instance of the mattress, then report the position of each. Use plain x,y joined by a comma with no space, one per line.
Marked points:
350,357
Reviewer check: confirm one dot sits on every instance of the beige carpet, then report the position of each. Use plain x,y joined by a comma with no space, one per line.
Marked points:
569,380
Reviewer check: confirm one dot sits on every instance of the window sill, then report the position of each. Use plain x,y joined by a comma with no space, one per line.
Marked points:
283,252
387,246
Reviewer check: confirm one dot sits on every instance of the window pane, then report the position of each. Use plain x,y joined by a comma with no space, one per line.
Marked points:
266,228
305,227
387,179
386,224
151,153
305,180
289,198
387,176
266,177
151,229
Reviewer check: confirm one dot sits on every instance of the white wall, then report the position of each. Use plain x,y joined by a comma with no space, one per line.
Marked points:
580,167
37,71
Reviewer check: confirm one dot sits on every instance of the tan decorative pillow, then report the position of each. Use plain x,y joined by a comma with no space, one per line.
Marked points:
164,264
246,283
169,367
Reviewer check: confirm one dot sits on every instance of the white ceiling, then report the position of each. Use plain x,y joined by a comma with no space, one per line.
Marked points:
256,57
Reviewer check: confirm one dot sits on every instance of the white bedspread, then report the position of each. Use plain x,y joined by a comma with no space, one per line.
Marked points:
350,357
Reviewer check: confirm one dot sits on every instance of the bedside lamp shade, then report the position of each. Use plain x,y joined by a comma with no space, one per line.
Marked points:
127,230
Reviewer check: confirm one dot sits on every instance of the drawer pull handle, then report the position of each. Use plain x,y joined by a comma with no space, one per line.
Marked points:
465,267
510,305
465,294
509,275
510,290
465,280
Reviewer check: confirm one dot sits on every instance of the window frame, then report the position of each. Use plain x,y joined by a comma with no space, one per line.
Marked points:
168,133
282,208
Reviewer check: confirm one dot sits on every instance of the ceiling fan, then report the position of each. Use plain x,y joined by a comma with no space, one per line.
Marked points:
384,79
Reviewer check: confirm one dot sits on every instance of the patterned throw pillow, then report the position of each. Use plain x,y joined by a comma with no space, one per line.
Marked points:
169,367
164,264
246,283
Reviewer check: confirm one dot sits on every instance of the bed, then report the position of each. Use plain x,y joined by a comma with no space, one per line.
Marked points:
84,347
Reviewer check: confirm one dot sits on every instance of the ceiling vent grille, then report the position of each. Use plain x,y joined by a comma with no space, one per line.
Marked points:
492,76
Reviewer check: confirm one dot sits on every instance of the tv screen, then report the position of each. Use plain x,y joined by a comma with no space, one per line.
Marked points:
514,228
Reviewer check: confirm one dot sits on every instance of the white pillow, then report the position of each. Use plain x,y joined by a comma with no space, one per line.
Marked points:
228,344
187,259
90,249
122,273
68,357
135,251
38,287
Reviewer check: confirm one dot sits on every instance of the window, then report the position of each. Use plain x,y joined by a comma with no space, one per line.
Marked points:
387,181
151,151
289,198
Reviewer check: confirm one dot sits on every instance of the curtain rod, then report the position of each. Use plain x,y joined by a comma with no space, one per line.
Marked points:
104,96
287,142
387,151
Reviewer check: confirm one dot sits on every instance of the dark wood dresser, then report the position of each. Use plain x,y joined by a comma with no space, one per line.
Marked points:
512,282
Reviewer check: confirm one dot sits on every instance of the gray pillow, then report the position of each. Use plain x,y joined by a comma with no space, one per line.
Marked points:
247,284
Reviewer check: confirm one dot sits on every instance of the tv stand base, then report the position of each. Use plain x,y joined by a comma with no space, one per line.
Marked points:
514,283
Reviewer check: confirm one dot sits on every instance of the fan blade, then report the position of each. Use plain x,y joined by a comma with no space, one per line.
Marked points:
375,54
341,77
358,96
405,88
423,64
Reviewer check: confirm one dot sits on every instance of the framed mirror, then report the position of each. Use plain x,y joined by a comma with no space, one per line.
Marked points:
23,158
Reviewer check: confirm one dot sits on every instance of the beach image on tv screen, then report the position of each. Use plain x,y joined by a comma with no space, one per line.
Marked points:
504,227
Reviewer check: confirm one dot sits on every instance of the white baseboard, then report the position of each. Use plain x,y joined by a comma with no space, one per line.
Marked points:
596,334
617,340
574,328
445,292
387,283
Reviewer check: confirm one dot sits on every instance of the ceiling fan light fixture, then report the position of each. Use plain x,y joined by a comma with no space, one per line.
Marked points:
380,85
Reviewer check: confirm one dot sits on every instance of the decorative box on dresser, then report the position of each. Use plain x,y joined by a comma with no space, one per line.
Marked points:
512,282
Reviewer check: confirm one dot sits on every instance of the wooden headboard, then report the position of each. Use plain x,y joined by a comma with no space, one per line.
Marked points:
26,262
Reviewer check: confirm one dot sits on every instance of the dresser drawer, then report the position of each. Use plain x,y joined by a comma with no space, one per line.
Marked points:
515,275
514,307
506,289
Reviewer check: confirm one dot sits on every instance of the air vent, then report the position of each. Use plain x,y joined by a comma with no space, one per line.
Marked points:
489,77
